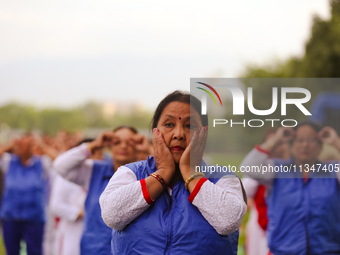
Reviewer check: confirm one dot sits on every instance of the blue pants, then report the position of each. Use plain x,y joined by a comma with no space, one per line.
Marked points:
14,231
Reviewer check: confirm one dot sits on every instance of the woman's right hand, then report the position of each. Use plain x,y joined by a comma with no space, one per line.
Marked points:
330,136
105,139
165,163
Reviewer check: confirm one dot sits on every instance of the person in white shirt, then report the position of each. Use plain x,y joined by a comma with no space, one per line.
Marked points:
67,202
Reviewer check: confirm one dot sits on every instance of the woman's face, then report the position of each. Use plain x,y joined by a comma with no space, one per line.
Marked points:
24,147
122,150
177,124
306,146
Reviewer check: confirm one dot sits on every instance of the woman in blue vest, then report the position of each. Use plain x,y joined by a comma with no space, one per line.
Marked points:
24,196
157,206
75,166
303,194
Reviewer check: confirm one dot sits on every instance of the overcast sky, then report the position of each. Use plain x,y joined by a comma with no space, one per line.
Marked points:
63,53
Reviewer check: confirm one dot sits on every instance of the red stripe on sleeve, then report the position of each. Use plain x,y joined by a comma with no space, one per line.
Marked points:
257,147
146,195
196,189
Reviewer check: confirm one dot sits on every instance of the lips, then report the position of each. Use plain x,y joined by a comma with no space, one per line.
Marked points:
177,148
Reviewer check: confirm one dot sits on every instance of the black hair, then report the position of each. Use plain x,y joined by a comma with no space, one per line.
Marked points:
316,126
182,97
132,129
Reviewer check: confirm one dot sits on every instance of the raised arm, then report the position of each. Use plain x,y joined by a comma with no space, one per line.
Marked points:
5,157
75,166
329,135
47,150
258,161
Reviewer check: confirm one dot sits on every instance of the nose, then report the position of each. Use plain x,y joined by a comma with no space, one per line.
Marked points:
179,133
124,144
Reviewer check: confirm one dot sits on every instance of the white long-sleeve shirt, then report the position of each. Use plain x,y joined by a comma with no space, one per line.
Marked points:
221,204
75,166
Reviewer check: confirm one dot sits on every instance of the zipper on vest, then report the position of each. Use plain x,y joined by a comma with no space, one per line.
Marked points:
169,227
170,200
170,203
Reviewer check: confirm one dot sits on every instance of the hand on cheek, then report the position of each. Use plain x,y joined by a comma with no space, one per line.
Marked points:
163,157
192,156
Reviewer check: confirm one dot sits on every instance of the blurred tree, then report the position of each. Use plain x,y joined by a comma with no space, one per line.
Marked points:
51,120
18,116
94,115
322,53
321,59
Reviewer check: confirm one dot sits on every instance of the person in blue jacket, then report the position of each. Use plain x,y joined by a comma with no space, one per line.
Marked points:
76,166
24,196
161,205
303,194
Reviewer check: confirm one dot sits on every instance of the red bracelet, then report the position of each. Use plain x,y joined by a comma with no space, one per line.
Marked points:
160,179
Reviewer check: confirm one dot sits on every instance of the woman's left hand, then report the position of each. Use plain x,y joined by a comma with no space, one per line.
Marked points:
330,136
192,155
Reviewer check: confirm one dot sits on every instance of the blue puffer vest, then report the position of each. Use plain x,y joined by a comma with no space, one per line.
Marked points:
24,197
304,216
96,236
171,225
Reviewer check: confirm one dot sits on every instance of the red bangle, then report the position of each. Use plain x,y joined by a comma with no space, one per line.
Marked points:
160,179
